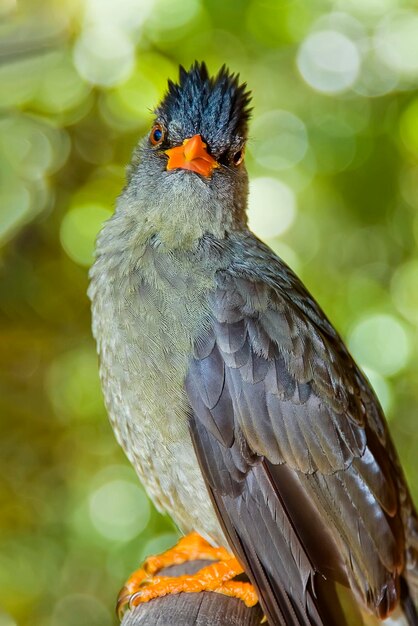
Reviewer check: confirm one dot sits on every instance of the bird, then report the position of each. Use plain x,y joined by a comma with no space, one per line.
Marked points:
232,394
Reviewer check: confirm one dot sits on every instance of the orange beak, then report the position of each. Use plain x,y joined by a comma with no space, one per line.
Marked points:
192,156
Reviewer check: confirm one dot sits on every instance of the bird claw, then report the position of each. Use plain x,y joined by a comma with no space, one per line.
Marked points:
122,603
144,585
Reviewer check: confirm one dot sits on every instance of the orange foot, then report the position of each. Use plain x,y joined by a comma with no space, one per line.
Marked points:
143,585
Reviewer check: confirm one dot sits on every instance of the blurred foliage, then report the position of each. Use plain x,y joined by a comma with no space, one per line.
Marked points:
333,159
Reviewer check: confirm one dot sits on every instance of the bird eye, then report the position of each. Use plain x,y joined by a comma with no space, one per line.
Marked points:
238,157
157,135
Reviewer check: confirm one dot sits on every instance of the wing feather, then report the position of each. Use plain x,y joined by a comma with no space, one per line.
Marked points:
273,390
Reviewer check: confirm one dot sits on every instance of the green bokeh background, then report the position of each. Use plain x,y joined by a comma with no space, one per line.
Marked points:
333,159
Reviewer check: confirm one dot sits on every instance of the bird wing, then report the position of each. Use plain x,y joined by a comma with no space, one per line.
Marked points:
293,446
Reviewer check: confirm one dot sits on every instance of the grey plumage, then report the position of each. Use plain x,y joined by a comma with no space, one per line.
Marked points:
230,391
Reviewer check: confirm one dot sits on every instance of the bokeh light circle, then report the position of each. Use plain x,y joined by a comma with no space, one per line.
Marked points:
329,61
282,140
404,288
104,56
73,387
76,609
382,389
396,42
341,22
272,207
119,510
126,15
367,8
176,16
79,229
380,342
16,202
375,79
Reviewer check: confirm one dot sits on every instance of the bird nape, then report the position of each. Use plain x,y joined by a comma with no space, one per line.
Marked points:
233,396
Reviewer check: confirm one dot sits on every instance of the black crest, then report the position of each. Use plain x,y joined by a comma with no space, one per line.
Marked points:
215,107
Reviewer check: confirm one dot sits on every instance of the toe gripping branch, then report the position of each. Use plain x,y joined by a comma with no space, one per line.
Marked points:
144,584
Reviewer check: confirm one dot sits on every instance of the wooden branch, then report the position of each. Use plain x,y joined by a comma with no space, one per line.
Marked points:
193,609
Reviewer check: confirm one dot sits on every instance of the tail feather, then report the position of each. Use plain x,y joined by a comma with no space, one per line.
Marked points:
408,605
291,592
280,538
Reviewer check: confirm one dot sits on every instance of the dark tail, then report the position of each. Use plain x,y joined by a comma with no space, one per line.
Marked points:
408,606
265,535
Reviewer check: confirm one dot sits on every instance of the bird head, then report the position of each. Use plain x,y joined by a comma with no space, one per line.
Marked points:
189,172
203,121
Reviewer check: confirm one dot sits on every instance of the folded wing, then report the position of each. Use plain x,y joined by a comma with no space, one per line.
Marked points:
295,451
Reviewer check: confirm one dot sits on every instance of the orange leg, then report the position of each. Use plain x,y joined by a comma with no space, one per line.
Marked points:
143,585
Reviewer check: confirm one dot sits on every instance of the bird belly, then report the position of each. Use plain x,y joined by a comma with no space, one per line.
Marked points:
144,345
167,466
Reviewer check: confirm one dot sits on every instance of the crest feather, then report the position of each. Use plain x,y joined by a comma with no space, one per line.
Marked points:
216,107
